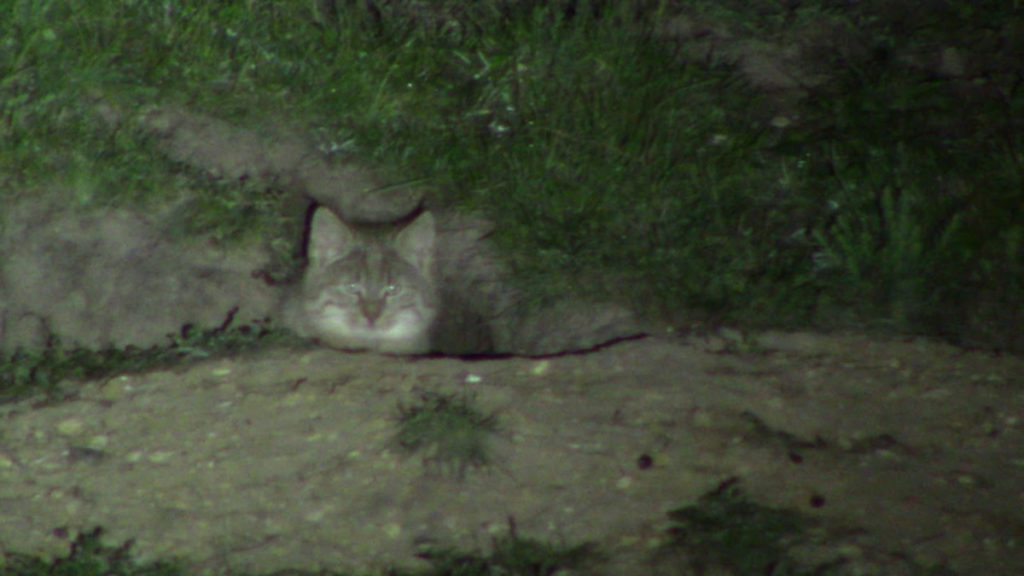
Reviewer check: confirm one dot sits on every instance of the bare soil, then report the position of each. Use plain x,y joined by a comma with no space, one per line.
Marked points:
902,453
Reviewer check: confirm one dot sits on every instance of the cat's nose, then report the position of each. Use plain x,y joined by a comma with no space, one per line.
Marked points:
371,310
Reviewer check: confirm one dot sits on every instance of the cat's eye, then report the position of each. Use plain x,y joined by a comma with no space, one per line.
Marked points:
353,288
392,289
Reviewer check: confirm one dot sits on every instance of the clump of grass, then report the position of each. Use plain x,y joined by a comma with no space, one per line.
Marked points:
725,529
924,189
726,532
447,431
511,555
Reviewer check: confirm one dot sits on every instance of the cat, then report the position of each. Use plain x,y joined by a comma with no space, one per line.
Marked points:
365,289
122,277
432,286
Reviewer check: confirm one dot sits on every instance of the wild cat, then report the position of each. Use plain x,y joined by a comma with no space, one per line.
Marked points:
371,290
430,287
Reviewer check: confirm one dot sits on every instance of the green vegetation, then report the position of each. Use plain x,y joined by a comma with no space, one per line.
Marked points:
883,194
447,431
725,532
88,557
725,529
511,556
30,371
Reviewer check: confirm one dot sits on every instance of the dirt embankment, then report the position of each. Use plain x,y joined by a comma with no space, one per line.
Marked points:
900,452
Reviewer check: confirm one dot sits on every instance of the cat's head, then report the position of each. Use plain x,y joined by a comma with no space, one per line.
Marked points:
371,292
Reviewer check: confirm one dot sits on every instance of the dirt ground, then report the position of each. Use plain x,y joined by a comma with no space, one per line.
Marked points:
901,452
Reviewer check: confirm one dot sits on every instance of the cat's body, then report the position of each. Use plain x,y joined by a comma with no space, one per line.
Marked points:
365,291
430,286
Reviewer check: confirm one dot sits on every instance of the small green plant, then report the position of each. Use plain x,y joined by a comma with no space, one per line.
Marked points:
885,257
726,529
193,343
447,430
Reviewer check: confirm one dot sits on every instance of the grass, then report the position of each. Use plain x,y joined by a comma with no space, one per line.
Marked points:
87,557
726,529
510,556
727,532
25,372
613,166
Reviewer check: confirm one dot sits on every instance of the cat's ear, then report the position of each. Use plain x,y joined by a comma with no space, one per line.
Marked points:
329,238
415,243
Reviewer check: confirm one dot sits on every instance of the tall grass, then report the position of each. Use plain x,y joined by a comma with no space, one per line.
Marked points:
613,166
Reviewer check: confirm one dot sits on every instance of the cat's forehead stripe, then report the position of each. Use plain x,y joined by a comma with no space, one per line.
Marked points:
371,265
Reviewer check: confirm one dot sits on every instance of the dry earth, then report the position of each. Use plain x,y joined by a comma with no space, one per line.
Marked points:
902,452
